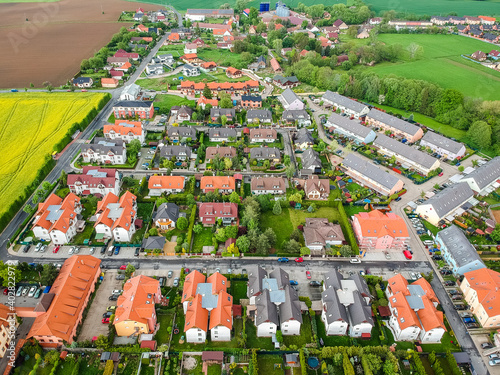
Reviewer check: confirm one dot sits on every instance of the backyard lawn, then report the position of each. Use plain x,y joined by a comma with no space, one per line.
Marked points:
204,238
447,343
165,102
214,370
330,340
220,57
298,217
238,291
162,336
305,336
281,225
270,364
256,342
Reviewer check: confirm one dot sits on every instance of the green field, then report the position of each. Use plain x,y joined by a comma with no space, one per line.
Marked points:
32,124
165,102
442,64
440,7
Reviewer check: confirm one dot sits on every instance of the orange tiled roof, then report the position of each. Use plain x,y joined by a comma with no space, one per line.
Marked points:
126,66
430,317
222,315
137,303
378,224
487,18
232,71
4,315
71,289
109,81
486,283
218,281
220,85
189,56
275,64
124,127
166,182
406,316
67,208
398,283
208,65
127,215
217,182
174,36
196,315
191,283
212,102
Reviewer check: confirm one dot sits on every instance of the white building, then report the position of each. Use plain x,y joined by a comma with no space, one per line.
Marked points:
116,217
96,181
485,179
104,151
196,324
443,146
290,100
345,105
130,92
350,128
125,130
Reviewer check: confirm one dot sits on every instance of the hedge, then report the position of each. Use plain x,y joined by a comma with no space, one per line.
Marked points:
346,227
192,219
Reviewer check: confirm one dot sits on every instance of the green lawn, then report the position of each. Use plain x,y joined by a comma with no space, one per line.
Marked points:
298,217
440,7
281,225
204,238
238,291
352,210
442,64
214,370
256,342
330,340
267,364
305,336
446,344
162,336
165,102
220,56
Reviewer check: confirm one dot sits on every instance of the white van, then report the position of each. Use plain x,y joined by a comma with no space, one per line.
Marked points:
428,242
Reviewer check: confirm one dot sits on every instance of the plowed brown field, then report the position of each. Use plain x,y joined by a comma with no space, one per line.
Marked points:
56,37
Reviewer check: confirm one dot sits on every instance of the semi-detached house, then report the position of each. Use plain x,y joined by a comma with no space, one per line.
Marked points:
221,134
369,175
406,155
443,146
398,127
210,212
268,185
177,133
348,106
116,217
95,180
265,135
104,151
350,128
224,184
165,184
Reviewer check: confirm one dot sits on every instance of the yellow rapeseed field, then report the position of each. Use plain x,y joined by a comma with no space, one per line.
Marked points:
30,125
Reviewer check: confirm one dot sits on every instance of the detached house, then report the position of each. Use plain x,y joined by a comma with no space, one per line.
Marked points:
224,184
265,135
125,130
311,161
165,184
249,101
116,217
260,115
104,151
296,117
319,234
290,100
398,127
303,139
190,71
166,216
217,113
94,180
56,219
413,311
177,133
268,185
233,73
285,82
210,212
316,188
350,107
83,82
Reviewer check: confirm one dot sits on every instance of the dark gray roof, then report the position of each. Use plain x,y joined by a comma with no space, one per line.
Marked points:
281,277
359,311
304,136
104,145
450,198
252,98
443,142
295,114
265,153
344,101
395,122
261,114
349,125
221,133
133,104
332,279
408,152
310,158
370,170
284,80
182,131
167,211
153,242
81,80
189,67
218,112
458,246
335,311
266,310
289,96
486,174
255,276
168,151
290,309
361,285
261,59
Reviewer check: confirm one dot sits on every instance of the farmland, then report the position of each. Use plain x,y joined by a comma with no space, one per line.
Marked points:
32,124
442,64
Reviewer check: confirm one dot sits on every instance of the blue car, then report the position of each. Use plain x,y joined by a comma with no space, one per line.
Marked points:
283,260
293,282
117,250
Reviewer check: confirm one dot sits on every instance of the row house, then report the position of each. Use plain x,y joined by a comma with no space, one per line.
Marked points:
104,151
350,107
133,108
125,130
191,88
94,180
396,126
443,146
159,185
116,217
484,179
250,101
203,102
350,128
211,212
56,219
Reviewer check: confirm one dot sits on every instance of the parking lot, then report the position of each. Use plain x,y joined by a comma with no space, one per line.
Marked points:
21,301
92,325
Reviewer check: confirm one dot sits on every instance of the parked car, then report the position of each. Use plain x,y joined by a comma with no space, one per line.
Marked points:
461,307
494,356
453,292
466,315
92,250
105,320
6,291
111,308
38,293
355,260
283,260
137,251
170,274
107,314
123,267
71,250
56,249
469,320
437,257
19,291
293,282
117,250
486,345
445,272
314,283
308,275
362,273
103,249
113,297
494,362
117,292
77,250
299,260
120,277
176,282
25,291
449,283
38,246
43,248
32,291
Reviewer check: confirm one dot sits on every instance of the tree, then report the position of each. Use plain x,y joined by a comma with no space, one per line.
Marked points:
228,163
234,197
102,342
304,24
221,235
271,236
295,235
290,171
347,365
129,270
475,163
345,251
292,247
207,93
63,178
169,164
479,134
415,51
153,231
49,274
28,209
277,208
241,5
461,168
495,235
243,243
231,231
262,245
225,101
297,197
198,228
182,223
305,251
134,146
422,194
7,271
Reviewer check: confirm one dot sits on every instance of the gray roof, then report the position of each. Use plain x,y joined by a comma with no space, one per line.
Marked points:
168,151
182,131
304,136
104,145
344,101
153,242
310,158
333,279
335,311
487,173
450,198
408,152
284,80
371,171
255,277
394,122
289,96
443,142
265,153
167,211
290,309
349,125
261,114
295,114
359,311
281,277
189,67
218,112
361,285
221,133
458,246
133,104
266,310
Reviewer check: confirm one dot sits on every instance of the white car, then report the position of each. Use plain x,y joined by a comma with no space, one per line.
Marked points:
38,246
92,249
71,251
355,260
43,248
117,291
32,291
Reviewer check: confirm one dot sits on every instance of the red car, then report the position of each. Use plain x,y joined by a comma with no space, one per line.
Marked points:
56,249
6,291
105,321
124,267
299,260
308,275
83,90
440,174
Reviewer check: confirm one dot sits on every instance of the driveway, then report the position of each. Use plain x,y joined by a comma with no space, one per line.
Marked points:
92,325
